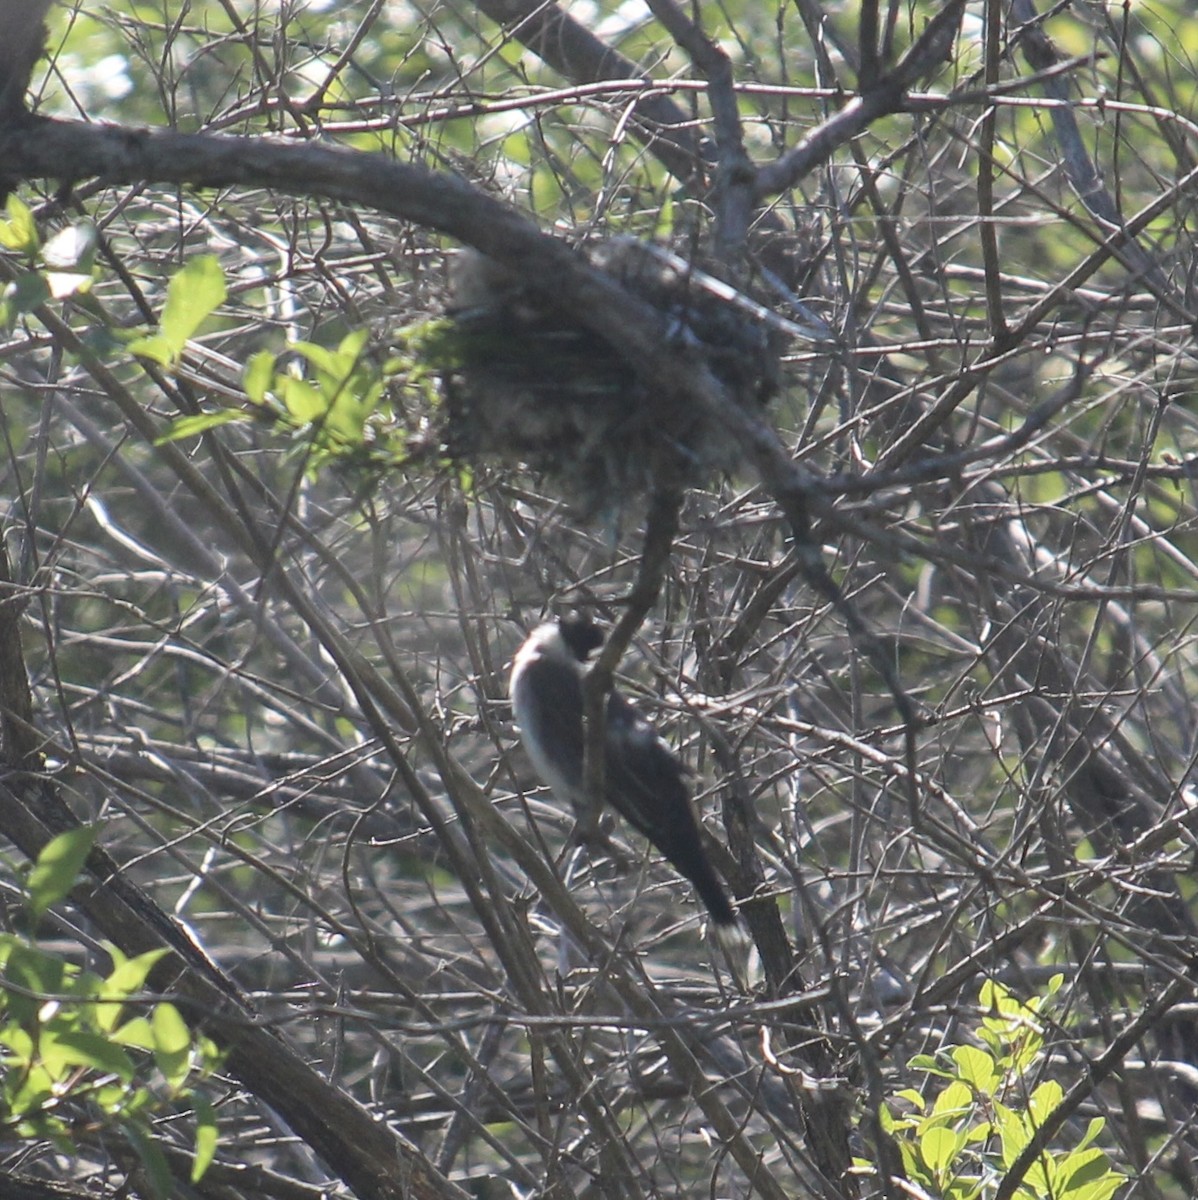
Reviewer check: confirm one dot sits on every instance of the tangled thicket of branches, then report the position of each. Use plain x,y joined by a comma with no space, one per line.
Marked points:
928,653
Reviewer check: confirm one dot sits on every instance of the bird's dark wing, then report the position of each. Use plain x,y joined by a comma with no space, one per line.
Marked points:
643,782
642,777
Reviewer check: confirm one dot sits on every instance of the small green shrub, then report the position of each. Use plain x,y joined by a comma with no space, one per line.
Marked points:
962,1144
78,1051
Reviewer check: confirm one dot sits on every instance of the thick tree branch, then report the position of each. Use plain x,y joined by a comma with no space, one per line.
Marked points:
887,96
575,53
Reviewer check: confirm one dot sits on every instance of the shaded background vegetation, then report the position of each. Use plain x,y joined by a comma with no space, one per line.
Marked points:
280,692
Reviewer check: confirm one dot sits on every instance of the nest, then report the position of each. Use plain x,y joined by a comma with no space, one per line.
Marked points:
523,383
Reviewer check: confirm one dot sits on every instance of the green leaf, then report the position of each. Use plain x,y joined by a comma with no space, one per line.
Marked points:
19,232
113,1098
995,999
210,1055
196,290
154,347
1081,1171
1013,1132
129,974
1099,1189
926,1062
32,971
939,1147
1041,1177
206,1136
28,1091
437,344
127,977
994,1043
912,1163
956,1100
20,1043
72,249
197,423
58,867
977,1069
172,1044
24,294
158,1172
62,284
259,376
81,1048
135,1032
1043,1101
135,1102
963,1187
171,1035
1096,1126
320,358
303,402
356,401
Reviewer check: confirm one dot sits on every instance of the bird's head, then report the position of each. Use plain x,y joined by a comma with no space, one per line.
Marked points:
579,636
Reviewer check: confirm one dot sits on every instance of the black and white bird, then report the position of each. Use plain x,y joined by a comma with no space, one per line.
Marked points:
642,778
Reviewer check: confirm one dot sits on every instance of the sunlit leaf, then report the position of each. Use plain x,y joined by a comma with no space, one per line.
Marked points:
977,1068
127,977
61,284
81,1048
72,249
1044,1101
58,866
206,1136
195,291
303,401
19,230
197,423
172,1043
1082,1170
155,347
259,375
135,1032
24,294
939,1146
954,1100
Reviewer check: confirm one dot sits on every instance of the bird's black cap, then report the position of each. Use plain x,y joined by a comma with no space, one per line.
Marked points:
580,636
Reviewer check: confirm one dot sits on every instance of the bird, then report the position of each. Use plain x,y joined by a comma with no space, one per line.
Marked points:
642,777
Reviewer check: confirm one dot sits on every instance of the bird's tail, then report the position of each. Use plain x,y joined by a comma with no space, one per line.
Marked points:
698,869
